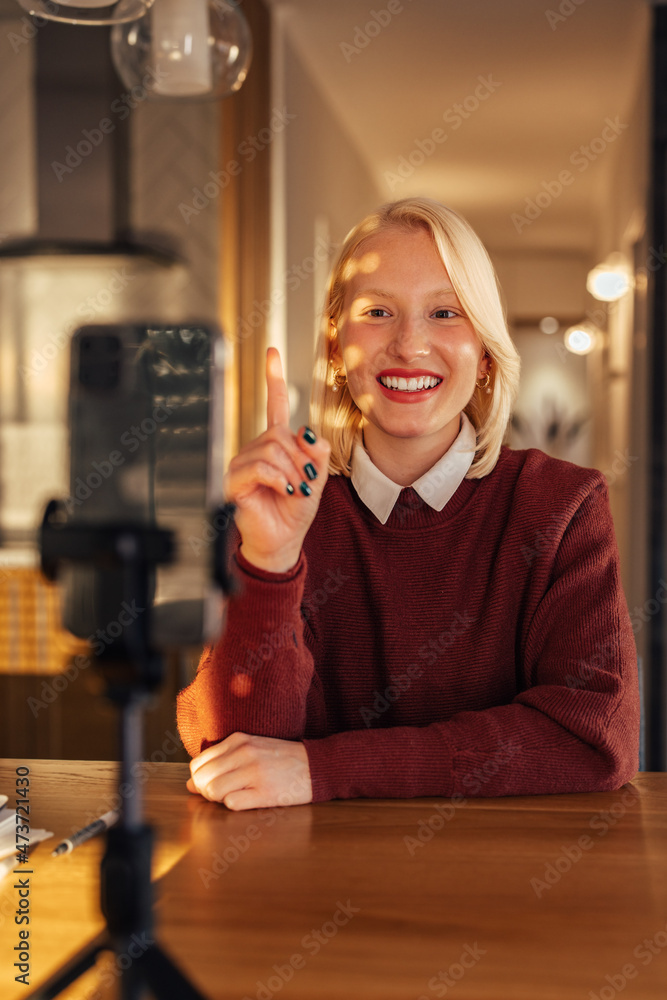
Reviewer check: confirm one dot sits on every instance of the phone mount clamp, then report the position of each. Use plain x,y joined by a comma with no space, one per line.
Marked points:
127,555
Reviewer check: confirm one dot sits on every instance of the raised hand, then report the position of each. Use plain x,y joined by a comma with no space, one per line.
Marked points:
276,482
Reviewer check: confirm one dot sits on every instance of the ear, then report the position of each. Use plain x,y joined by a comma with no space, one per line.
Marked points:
335,355
484,365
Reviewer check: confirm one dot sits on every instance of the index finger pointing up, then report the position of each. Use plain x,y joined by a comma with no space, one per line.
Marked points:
277,399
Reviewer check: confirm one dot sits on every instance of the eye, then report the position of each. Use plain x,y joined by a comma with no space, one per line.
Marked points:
439,314
376,312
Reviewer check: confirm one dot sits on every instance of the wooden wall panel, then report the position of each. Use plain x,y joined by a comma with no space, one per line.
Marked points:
245,235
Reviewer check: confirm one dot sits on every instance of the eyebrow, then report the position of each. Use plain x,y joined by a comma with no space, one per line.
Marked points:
388,295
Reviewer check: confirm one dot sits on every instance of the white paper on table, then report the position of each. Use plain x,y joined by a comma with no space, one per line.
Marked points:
8,849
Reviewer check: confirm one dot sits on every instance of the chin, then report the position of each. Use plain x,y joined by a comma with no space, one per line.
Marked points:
404,429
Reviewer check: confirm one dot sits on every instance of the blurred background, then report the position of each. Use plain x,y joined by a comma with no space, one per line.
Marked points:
544,126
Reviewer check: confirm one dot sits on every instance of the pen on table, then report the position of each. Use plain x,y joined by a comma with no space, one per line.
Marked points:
81,836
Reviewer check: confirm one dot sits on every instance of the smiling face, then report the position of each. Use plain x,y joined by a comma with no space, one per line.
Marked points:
410,353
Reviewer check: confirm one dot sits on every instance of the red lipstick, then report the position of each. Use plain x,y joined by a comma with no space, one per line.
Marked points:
405,396
407,373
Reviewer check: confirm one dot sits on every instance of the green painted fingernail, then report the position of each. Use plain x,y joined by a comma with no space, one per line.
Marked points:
305,489
290,489
310,471
309,436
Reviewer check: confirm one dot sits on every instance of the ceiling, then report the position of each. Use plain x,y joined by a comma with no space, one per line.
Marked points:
553,80
393,72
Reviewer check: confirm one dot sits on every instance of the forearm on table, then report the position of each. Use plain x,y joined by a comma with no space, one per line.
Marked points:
256,678
512,749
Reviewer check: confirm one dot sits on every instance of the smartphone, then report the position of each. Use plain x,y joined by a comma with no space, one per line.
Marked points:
146,446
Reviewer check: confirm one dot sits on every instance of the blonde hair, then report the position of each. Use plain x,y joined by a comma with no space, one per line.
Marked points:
336,416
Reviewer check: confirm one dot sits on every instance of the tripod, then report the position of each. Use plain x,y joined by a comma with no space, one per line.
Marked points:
132,670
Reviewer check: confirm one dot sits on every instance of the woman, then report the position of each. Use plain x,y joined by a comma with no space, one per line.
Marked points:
439,615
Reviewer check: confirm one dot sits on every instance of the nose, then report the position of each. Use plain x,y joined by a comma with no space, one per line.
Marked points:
411,340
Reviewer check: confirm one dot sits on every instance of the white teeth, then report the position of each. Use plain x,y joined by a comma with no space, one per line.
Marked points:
410,384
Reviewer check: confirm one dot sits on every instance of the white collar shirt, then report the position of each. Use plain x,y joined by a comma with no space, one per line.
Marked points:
436,487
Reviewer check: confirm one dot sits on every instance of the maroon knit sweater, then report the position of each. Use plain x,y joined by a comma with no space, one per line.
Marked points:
485,649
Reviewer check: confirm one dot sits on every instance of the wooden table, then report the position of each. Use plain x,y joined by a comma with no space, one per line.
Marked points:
543,897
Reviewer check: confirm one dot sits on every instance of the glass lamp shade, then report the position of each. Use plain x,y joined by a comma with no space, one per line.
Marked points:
581,338
610,280
549,325
184,50
94,12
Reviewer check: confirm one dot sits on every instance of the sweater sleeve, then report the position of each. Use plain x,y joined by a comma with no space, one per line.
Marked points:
574,725
257,677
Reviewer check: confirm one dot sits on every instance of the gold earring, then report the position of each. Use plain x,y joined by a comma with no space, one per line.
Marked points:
485,383
339,379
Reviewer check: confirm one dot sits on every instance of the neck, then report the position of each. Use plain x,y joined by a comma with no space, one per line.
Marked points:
404,460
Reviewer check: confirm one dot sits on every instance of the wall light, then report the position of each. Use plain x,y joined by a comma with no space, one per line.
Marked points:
94,12
610,280
184,49
549,325
581,338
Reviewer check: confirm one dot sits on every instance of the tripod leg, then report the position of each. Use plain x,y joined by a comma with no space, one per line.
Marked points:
132,985
70,972
164,979
126,890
